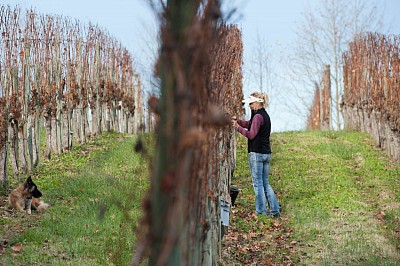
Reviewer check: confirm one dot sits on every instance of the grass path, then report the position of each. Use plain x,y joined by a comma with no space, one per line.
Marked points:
95,192
340,199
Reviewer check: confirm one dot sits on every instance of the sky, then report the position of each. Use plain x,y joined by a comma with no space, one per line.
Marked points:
273,22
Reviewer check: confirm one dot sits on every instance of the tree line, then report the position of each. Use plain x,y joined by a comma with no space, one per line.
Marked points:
74,79
323,34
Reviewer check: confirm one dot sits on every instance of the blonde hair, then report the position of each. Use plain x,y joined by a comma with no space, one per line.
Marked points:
263,96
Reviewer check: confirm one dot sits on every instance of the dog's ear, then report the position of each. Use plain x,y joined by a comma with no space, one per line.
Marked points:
36,193
28,182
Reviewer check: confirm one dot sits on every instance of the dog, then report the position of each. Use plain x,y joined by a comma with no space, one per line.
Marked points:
27,196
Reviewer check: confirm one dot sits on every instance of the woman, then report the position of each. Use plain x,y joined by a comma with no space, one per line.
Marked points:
257,130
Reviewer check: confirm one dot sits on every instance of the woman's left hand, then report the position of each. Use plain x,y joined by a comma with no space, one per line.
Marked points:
235,124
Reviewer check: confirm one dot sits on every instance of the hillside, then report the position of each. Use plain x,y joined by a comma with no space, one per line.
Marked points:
340,198
95,192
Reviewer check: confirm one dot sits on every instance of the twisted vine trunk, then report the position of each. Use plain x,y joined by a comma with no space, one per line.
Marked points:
53,130
3,165
3,142
47,117
13,133
76,124
66,129
21,150
36,140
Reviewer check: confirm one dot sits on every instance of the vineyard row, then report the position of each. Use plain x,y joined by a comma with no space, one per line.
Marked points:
372,89
74,79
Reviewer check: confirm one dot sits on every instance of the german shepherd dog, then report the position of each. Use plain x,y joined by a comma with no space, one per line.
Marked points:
27,196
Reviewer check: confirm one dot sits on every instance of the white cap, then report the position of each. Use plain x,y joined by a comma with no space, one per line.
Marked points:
252,99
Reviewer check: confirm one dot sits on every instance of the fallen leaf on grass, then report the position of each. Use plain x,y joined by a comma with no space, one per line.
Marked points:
388,167
17,247
380,215
242,215
276,224
293,250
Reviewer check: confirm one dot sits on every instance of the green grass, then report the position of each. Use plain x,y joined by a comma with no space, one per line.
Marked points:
341,204
95,192
340,197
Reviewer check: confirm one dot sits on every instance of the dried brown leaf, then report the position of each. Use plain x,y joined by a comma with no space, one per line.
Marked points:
17,247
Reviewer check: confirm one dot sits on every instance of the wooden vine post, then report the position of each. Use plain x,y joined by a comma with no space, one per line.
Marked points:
171,163
26,128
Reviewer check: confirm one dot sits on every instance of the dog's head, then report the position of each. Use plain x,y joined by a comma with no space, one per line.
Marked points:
32,188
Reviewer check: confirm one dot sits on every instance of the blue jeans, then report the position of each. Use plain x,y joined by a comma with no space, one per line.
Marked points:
259,169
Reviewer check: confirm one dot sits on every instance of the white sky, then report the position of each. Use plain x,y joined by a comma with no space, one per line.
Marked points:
134,24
